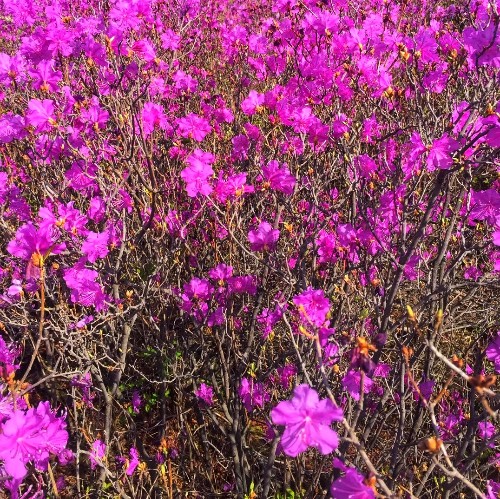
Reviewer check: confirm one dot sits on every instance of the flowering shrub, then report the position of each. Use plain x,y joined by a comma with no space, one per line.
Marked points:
249,248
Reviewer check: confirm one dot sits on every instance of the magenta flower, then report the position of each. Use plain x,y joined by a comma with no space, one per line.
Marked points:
233,187
145,50
136,402
496,237
34,245
205,393
133,462
152,116
493,352
252,394
241,144
493,137
97,453
242,284
84,289
313,306
252,103
95,116
45,78
8,355
194,127
41,114
96,245
184,82
426,387
440,153
351,486
199,289
492,490
280,179
485,205
97,209
31,437
11,128
307,422
81,176
264,238
170,40
486,431
85,384
197,173
221,272
352,384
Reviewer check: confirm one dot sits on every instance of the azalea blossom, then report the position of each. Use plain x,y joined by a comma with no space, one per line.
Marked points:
197,173
205,393
41,114
31,436
264,238
351,486
97,453
194,127
307,422
280,179
313,306
493,352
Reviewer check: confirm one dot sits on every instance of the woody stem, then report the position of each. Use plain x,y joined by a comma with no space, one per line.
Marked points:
40,325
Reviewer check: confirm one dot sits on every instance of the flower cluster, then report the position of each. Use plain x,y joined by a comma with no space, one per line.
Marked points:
204,204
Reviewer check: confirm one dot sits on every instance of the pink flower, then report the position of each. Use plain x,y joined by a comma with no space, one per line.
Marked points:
313,306
352,384
45,78
144,49
82,176
30,241
486,431
8,354
133,462
485,205
152,116
97,453
194,127
496,237
31,437
95,116
205,393
440,153
493,137
136,402
11,128
84,289
221,272
34,245
170,40
41,114
242,284
184,82
280,179
233,187
351,486
96,245
85,384
252,103
199,289
307,422
493,352
197,173
492,490
241,145
252,394
264,238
